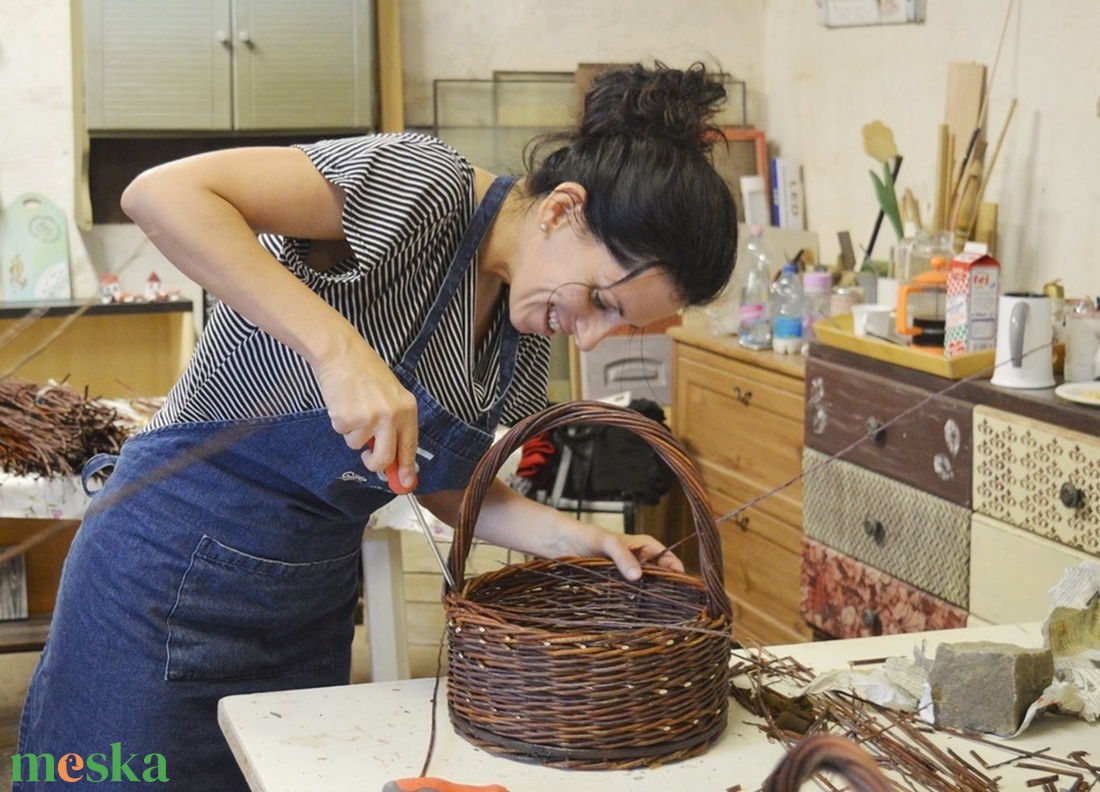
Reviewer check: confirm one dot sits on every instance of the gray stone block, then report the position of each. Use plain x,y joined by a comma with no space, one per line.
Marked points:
987,687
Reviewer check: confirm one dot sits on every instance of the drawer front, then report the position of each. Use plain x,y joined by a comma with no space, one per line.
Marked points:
916,537
1023,469
743,421
761,560
1013,571
927,443
848,599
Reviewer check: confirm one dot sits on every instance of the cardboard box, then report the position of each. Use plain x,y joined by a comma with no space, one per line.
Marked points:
973,291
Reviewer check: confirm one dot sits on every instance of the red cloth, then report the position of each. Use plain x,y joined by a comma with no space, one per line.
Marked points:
536,460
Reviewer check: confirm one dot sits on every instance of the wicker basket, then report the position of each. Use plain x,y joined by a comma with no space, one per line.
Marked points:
564,662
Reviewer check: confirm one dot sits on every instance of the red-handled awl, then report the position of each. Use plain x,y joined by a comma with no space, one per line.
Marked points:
394,482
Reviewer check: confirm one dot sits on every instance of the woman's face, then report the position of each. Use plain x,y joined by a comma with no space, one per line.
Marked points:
568,282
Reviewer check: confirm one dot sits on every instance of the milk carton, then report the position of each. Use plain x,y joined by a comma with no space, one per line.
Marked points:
973,286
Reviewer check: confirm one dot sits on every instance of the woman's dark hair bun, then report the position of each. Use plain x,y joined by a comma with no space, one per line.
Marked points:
641,152
657,101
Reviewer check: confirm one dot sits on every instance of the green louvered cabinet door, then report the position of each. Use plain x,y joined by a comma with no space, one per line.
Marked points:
225,65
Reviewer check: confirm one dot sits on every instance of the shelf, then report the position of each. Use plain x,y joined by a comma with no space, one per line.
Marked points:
12,310
24,635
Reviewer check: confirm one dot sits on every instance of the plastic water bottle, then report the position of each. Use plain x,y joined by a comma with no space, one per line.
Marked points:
787,312
754,326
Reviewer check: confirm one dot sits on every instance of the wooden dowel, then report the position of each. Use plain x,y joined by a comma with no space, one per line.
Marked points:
992,162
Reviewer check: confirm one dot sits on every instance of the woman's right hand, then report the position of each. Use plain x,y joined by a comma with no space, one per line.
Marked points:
370,407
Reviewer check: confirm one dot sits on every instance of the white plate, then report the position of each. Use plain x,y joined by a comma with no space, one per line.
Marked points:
1080,392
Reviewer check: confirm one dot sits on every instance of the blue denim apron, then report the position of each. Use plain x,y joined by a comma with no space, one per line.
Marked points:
222,558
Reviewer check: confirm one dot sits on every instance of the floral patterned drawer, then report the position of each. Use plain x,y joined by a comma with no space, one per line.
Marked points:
1038,477
848,599
912,535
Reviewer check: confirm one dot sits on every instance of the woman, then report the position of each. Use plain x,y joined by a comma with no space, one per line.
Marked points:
382,301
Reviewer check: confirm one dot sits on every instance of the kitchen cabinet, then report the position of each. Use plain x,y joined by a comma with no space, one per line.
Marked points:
934,503
739,415
217,65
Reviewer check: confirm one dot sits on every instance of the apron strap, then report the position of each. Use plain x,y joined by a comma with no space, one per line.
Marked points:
467,249
93,467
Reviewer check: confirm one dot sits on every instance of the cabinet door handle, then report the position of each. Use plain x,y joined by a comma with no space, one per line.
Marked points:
742,522
1071,496
873,428
222,37
875,529
742,396
245,37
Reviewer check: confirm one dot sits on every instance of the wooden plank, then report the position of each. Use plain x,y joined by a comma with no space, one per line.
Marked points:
391,94
962,109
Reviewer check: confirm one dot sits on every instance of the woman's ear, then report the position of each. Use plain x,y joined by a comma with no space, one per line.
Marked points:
564,204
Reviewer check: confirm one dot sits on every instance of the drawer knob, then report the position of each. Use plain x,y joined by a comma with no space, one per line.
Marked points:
873,427
742,396
742,521
875,529
1071,496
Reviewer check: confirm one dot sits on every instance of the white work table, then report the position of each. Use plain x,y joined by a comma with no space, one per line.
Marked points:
360,736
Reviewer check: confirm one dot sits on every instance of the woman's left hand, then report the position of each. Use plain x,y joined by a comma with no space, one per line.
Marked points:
627,551
510,520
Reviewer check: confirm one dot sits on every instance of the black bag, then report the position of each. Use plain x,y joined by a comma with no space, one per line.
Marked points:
611,463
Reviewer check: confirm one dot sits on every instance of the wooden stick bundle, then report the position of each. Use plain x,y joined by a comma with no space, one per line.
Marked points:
53,430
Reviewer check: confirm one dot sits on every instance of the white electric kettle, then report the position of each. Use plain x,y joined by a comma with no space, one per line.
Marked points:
1025,335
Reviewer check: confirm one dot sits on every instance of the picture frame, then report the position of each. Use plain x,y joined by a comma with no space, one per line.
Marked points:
745,153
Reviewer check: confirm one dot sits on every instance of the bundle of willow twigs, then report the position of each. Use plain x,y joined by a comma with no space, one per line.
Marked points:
890,740
52,430
564,662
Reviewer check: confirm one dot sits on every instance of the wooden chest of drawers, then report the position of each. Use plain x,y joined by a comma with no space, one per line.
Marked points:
915,536
1013,498
926,443
845,598
1038,476
1012,571
1036,510
739,414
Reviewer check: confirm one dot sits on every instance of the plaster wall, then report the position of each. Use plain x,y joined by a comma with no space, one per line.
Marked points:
810,88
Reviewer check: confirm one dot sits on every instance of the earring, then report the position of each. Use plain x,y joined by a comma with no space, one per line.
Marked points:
543,227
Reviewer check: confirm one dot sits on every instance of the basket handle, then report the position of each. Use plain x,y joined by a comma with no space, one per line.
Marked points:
666,446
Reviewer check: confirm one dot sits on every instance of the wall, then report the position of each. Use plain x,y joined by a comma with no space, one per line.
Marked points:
813,88
39,148
810,88
823,85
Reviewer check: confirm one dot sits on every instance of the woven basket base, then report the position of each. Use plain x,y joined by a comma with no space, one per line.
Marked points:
604,674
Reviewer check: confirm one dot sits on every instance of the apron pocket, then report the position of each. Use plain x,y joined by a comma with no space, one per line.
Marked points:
238,616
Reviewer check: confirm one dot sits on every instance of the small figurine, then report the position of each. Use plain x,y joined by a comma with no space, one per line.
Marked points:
155,291
110,290
153,288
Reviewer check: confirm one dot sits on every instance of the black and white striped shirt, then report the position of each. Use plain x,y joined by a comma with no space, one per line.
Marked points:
409,200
